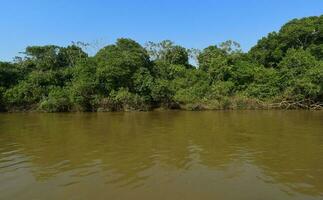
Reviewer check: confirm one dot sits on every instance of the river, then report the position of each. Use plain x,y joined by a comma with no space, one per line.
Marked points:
171,155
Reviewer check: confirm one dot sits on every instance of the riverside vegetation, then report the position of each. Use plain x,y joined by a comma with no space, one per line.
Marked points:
283,70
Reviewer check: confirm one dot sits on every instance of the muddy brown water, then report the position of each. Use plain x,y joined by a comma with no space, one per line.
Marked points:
171,155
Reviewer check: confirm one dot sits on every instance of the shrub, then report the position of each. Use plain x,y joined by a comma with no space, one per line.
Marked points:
24,94
57,101
2,103
124,100
163,92
221,89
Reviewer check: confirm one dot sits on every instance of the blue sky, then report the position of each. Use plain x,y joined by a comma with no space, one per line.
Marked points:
191,23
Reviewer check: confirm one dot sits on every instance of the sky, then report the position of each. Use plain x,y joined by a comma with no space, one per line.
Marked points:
190,23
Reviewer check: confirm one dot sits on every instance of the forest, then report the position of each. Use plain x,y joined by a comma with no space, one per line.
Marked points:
284,70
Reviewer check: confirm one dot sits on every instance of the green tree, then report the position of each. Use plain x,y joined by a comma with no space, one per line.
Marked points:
166,51
214,61
297,69
118,63
85,87
305,33
69,56
283,66
9,74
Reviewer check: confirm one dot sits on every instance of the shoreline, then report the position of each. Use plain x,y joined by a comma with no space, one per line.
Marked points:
161,109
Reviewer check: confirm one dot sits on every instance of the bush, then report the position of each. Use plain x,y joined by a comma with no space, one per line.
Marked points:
143,82
57,101
302,75
163,92
2,103
266,84
24,95
85,86
221,89
125,101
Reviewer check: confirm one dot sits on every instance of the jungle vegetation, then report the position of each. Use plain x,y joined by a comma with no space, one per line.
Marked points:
283,70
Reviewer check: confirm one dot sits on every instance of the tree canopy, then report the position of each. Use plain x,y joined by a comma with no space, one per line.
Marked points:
284,70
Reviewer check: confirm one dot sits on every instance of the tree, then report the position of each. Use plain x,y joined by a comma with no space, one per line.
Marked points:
43,57
285,66
177,55
212,58
9,74
143,82
166,51
157,51
118,63
297,69
69,56
305,33
85,86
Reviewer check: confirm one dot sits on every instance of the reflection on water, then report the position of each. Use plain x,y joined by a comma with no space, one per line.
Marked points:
162,155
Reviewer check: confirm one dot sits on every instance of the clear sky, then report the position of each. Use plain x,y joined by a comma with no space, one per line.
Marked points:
191,23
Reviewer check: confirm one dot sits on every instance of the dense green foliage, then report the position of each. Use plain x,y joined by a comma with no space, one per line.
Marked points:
286,68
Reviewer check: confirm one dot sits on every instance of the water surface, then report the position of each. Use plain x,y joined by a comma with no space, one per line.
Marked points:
169,155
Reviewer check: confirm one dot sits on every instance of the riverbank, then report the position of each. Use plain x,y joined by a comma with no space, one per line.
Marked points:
236,103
